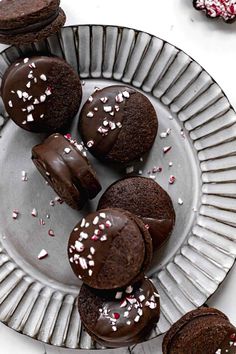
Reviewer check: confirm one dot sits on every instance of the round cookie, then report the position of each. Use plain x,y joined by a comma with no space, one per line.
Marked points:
205,331
41,94
25,21
226,9
118,124
109,249
120,318
64,165
146,199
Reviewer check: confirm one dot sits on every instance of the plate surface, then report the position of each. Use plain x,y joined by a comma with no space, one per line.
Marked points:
38,297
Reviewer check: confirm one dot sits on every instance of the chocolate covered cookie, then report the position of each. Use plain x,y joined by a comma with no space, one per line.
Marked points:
25,21
118,124
109,249
226,9
41,94
62,162
145,198
120,318
205,331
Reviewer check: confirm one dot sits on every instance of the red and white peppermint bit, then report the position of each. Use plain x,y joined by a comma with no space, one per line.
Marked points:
172,179
116,315
67,136
34,212
108,224
42,254
215,8
166,149
51,233
15,214
94,238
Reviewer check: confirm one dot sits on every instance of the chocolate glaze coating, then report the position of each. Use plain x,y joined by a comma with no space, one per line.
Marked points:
109,249
200,331
66,169
24,21
118,124
41,94
120,318
146,199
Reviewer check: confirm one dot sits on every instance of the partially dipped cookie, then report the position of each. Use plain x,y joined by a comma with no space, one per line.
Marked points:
120,318
62,162
146,199
109,249
205,331
28,21
118,124
41,94
225,9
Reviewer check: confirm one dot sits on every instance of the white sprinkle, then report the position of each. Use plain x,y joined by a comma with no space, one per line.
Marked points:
15,214
84,235
90,143
129,289
128,322
48,91
34,212
87,224
83,263
119,98
10,104
90,114
24,176
67,150
89,256
90,272
42,254
105,123
71,260
103,238
141,298
156,295
79,246
112,125
17,64
82,223
30,76
112,114
30,118
104,99
126,94
26,60
140,172
180,201
119,125
24,122
42,115
43,77
92,250
30,108
47,173
117,108
129,169
123,304
96,109
19,93
107,109
119,295
152,176
114,328
170,164
95,220
140,312
36,101
102,215
166,149
137,318
28,84
90,99
91,263
101,227
126,314
25,94
42,98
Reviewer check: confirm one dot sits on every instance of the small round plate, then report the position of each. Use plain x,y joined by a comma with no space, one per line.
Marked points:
38,297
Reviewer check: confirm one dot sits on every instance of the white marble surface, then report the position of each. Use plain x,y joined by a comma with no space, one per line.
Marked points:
212,44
